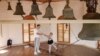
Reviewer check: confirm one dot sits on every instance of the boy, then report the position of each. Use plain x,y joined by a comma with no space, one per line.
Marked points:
51,42
37,35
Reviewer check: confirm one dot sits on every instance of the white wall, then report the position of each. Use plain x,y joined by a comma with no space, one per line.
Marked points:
45,28
12,31
16,30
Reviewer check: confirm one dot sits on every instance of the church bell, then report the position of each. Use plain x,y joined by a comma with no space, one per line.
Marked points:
19,9
9,6
90,31
67,13
35,9
49,12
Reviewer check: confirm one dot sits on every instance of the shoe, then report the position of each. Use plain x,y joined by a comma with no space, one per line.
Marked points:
49,52
35,53
56,49
39,51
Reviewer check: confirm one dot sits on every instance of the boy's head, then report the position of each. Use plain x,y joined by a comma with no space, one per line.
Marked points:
38,26
51,33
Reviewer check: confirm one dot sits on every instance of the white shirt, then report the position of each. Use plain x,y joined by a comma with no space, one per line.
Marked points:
35,33
50,38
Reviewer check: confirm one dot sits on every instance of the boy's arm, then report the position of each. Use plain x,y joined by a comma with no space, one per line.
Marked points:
46,35
40,33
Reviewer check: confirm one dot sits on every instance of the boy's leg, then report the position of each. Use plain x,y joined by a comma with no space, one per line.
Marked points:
54,46
50,48
35,46
38,45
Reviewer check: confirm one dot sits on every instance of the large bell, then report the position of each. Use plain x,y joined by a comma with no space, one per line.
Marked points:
49,12
35,9
67,12
19,9
90,31
9,6
91,10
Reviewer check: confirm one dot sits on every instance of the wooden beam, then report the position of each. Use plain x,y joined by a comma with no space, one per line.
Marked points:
47,21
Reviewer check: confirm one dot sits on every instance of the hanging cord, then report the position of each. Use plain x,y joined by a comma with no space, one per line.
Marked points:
1,31
36,18
8,31
77,40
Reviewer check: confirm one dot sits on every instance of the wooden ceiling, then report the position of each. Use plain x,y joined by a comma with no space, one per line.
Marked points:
46,0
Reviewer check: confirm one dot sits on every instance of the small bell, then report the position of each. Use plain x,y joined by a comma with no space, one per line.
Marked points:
67,13
35,9
9,6
49,12
19,9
